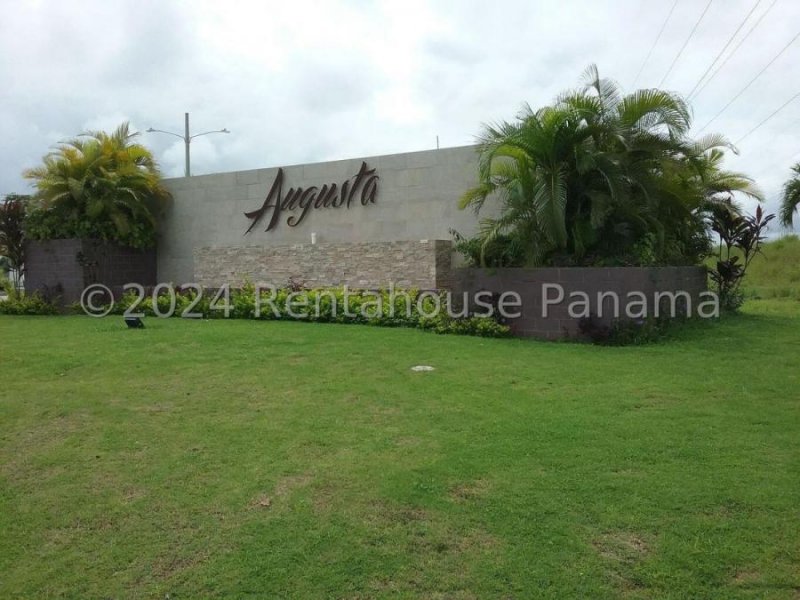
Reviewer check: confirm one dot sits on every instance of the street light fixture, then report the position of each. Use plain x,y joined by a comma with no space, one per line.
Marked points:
187,139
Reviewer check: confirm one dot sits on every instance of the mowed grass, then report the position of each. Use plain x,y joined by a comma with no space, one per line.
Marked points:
239,459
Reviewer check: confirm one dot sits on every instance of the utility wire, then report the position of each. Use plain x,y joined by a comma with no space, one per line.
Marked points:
725,47
655,43
686,43
751,82
775,112
790,127
736,48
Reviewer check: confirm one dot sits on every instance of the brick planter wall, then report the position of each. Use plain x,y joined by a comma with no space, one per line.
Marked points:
54,268
558,324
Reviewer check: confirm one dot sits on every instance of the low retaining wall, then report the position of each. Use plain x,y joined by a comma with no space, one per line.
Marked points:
408,264
556,322
63,268
550,297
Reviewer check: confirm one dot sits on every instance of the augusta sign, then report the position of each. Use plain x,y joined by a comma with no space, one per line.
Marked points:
297,202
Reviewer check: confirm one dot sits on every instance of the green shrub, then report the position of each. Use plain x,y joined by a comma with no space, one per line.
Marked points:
499,251
28,304
7,286
378,308
627,332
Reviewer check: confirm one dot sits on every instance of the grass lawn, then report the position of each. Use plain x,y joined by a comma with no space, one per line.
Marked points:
775,272
240,459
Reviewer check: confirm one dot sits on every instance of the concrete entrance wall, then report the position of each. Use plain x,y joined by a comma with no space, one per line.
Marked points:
417,199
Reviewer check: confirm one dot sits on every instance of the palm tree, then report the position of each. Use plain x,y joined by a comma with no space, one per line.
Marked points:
102,179
527,164
598,172
790,203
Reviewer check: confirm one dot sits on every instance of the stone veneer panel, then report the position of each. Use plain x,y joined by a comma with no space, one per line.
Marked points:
406,264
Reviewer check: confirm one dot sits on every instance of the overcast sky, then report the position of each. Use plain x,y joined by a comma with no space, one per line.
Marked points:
302,82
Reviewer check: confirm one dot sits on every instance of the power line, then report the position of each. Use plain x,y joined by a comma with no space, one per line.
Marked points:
725,47
779,109
790,127
655,43
752,81
686,43
736,48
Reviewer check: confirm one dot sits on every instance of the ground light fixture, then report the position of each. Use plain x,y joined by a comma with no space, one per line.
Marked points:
134,323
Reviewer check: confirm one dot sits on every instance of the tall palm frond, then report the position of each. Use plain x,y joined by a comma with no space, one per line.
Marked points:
598,171
790,202
104,177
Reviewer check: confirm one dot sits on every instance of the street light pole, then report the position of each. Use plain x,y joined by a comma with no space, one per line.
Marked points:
187,139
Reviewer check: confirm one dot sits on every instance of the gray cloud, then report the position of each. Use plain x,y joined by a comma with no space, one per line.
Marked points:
310,81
